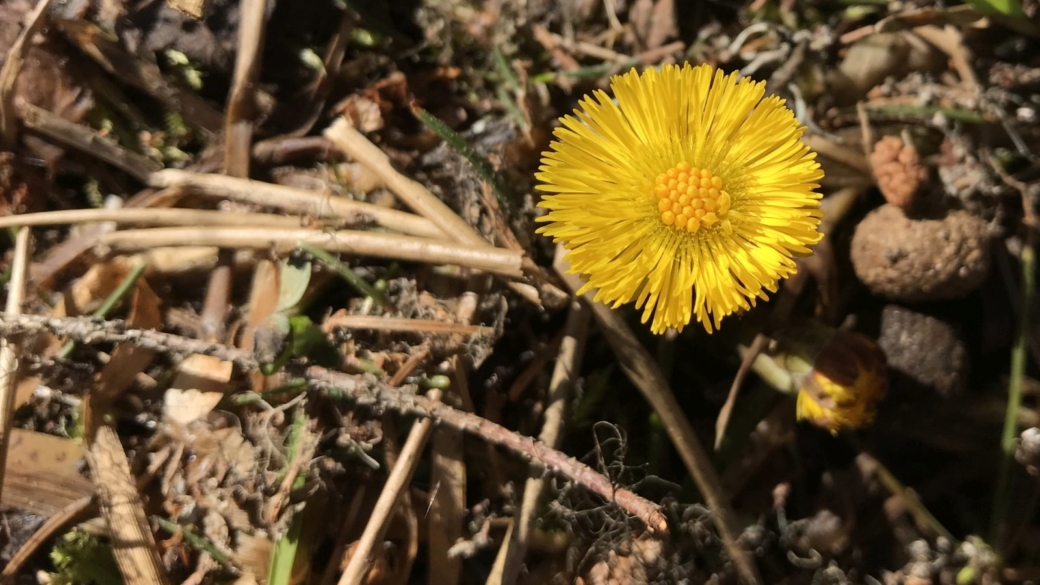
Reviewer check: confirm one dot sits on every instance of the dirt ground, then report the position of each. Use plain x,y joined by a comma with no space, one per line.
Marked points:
277,311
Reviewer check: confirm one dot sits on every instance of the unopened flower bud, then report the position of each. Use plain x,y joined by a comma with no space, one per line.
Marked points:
847,380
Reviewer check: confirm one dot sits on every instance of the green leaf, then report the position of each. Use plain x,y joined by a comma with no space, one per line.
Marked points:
295,278
1006,7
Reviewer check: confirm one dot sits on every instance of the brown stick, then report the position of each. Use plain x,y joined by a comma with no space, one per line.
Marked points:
9,349
87,141
398,480
238,122
156,216
510,557
414,195
363,389
293,200
407,248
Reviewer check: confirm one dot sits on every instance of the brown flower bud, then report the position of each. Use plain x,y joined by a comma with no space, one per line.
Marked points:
898,170
848,378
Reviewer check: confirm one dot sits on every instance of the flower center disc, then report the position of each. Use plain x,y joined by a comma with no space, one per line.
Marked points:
689,198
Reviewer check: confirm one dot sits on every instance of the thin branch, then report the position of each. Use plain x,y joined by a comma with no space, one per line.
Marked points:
365,390
292,200
238,122
87,141
444,526
406,248
410,325
9,349
414,195
155,216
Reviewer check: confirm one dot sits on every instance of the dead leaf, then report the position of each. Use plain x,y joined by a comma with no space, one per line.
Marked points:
199,386
42,474
363,113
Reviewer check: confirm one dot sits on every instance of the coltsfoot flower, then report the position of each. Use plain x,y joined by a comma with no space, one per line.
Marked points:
848,378
690,195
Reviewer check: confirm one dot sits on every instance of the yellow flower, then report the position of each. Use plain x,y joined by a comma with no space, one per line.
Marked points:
690,195
848,378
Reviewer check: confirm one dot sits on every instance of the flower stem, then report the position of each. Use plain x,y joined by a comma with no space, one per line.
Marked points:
1002,496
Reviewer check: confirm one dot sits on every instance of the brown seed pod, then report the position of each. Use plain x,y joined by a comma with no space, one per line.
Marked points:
916,260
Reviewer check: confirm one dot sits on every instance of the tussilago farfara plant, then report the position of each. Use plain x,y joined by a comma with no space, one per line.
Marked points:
689,195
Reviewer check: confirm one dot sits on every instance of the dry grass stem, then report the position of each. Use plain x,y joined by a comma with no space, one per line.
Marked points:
448,464
292,200
87,141
407,248
363,389
565,373
159,216
238,123
133,543
9,75
398,480
395,324
413,194
9,349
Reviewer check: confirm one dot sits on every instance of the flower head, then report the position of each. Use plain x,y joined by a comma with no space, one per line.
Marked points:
848,378
690,195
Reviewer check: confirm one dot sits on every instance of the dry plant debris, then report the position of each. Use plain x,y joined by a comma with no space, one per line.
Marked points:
278,311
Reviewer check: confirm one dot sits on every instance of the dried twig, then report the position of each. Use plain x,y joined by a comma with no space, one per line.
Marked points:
396,324
240,116
238,140
133,543
414,195
9,76
157,216
289,199
9,349
448,465
407,248
88,141
398,480
363,389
